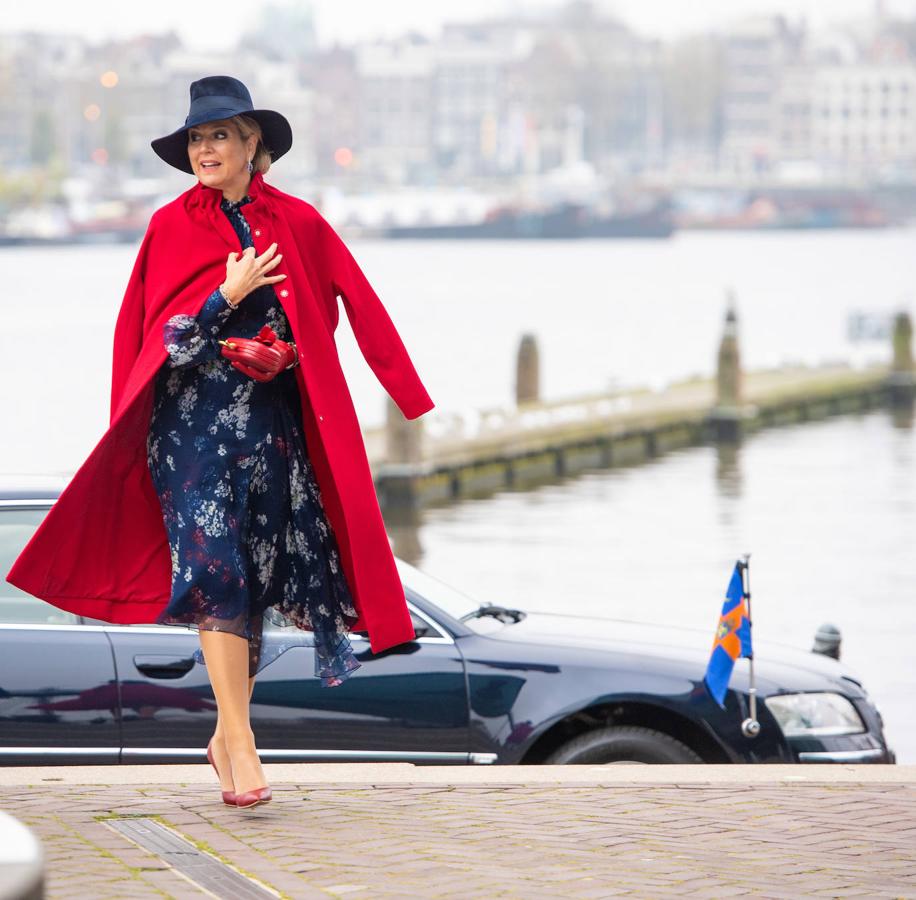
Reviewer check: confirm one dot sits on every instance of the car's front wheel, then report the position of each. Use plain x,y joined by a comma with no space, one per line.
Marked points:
622,744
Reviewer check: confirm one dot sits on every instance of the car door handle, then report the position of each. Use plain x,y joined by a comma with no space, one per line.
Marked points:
160,665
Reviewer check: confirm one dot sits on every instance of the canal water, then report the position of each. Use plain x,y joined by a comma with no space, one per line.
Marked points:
827,509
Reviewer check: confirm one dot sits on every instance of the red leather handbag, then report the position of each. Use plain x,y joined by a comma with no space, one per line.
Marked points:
262,357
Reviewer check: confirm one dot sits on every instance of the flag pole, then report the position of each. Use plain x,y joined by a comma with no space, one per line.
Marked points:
750,727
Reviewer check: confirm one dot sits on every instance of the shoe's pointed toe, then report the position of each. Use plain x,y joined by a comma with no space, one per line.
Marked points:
252,798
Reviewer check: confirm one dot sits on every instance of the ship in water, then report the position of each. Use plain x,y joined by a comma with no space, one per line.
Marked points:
52,225
561,221
779,208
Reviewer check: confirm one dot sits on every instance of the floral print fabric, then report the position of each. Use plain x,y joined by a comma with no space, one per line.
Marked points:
248,536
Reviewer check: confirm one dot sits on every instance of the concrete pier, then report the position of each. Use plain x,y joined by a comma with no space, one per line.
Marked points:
539,443
433,461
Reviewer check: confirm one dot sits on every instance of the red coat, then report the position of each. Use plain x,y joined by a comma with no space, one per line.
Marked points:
102,550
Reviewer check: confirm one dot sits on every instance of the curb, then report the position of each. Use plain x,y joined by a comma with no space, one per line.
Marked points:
407,773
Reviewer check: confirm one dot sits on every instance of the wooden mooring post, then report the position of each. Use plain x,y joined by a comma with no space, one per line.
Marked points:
728,412
527,371
397,481
902,379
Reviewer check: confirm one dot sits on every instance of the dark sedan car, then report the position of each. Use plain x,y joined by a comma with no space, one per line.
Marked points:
477,685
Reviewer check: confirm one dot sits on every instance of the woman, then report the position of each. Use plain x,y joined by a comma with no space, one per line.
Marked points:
232,419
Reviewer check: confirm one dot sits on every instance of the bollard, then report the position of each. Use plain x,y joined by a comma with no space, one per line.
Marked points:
827,640
728,379
403,437
902,379
727,413
397,480
527,374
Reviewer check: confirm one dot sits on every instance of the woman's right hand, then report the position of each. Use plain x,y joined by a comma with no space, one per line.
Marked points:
249,272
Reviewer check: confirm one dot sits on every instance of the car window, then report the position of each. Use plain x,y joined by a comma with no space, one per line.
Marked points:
17,607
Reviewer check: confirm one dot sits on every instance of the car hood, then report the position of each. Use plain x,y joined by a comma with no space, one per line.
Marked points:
777,667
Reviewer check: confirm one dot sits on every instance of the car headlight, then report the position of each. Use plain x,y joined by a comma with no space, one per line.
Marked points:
814,714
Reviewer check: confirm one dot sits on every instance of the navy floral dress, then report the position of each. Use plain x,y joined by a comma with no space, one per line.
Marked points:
248,535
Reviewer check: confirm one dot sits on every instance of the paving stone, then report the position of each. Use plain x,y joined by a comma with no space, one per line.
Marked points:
770,840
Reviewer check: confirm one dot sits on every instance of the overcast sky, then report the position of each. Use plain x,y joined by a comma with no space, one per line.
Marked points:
208,24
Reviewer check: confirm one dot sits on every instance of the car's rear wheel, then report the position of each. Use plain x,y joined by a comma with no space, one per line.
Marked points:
622,744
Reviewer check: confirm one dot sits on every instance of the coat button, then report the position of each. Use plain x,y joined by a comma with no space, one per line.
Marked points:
321,418
284,293
257,232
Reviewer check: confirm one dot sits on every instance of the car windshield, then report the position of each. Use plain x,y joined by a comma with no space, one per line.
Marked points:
447,598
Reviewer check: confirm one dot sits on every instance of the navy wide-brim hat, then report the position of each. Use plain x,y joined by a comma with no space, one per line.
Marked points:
221,97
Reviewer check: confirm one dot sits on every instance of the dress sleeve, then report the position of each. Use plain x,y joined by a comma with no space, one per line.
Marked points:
191,340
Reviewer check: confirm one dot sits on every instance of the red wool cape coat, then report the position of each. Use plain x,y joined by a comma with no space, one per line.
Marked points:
102,550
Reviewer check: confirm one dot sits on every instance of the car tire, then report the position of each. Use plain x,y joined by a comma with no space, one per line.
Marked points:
622,744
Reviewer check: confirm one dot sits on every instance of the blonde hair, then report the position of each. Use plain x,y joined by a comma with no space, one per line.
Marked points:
247,126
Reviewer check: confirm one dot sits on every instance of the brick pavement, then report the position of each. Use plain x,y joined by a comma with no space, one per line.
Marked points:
444,834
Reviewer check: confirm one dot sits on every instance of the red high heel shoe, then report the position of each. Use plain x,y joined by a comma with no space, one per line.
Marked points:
229,797
253,798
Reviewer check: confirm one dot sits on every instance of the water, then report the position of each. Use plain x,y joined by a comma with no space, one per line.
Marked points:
605,312
828,510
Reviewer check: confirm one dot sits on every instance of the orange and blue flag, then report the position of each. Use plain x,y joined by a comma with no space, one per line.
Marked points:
733,638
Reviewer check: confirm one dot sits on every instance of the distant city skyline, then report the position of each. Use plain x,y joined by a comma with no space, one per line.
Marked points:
212,26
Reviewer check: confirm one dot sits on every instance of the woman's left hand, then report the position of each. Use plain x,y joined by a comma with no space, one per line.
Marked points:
262,357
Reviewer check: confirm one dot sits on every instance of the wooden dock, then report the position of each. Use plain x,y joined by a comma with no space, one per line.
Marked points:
444,458
539,442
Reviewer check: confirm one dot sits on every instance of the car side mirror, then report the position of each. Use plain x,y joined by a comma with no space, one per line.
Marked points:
420,627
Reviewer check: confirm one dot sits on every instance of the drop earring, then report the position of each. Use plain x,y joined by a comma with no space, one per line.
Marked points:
250,167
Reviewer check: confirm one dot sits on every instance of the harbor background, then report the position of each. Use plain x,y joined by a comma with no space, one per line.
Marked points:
828,509
654,263
762,155
606,314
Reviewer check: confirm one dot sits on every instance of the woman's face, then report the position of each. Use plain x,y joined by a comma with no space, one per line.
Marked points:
219,156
